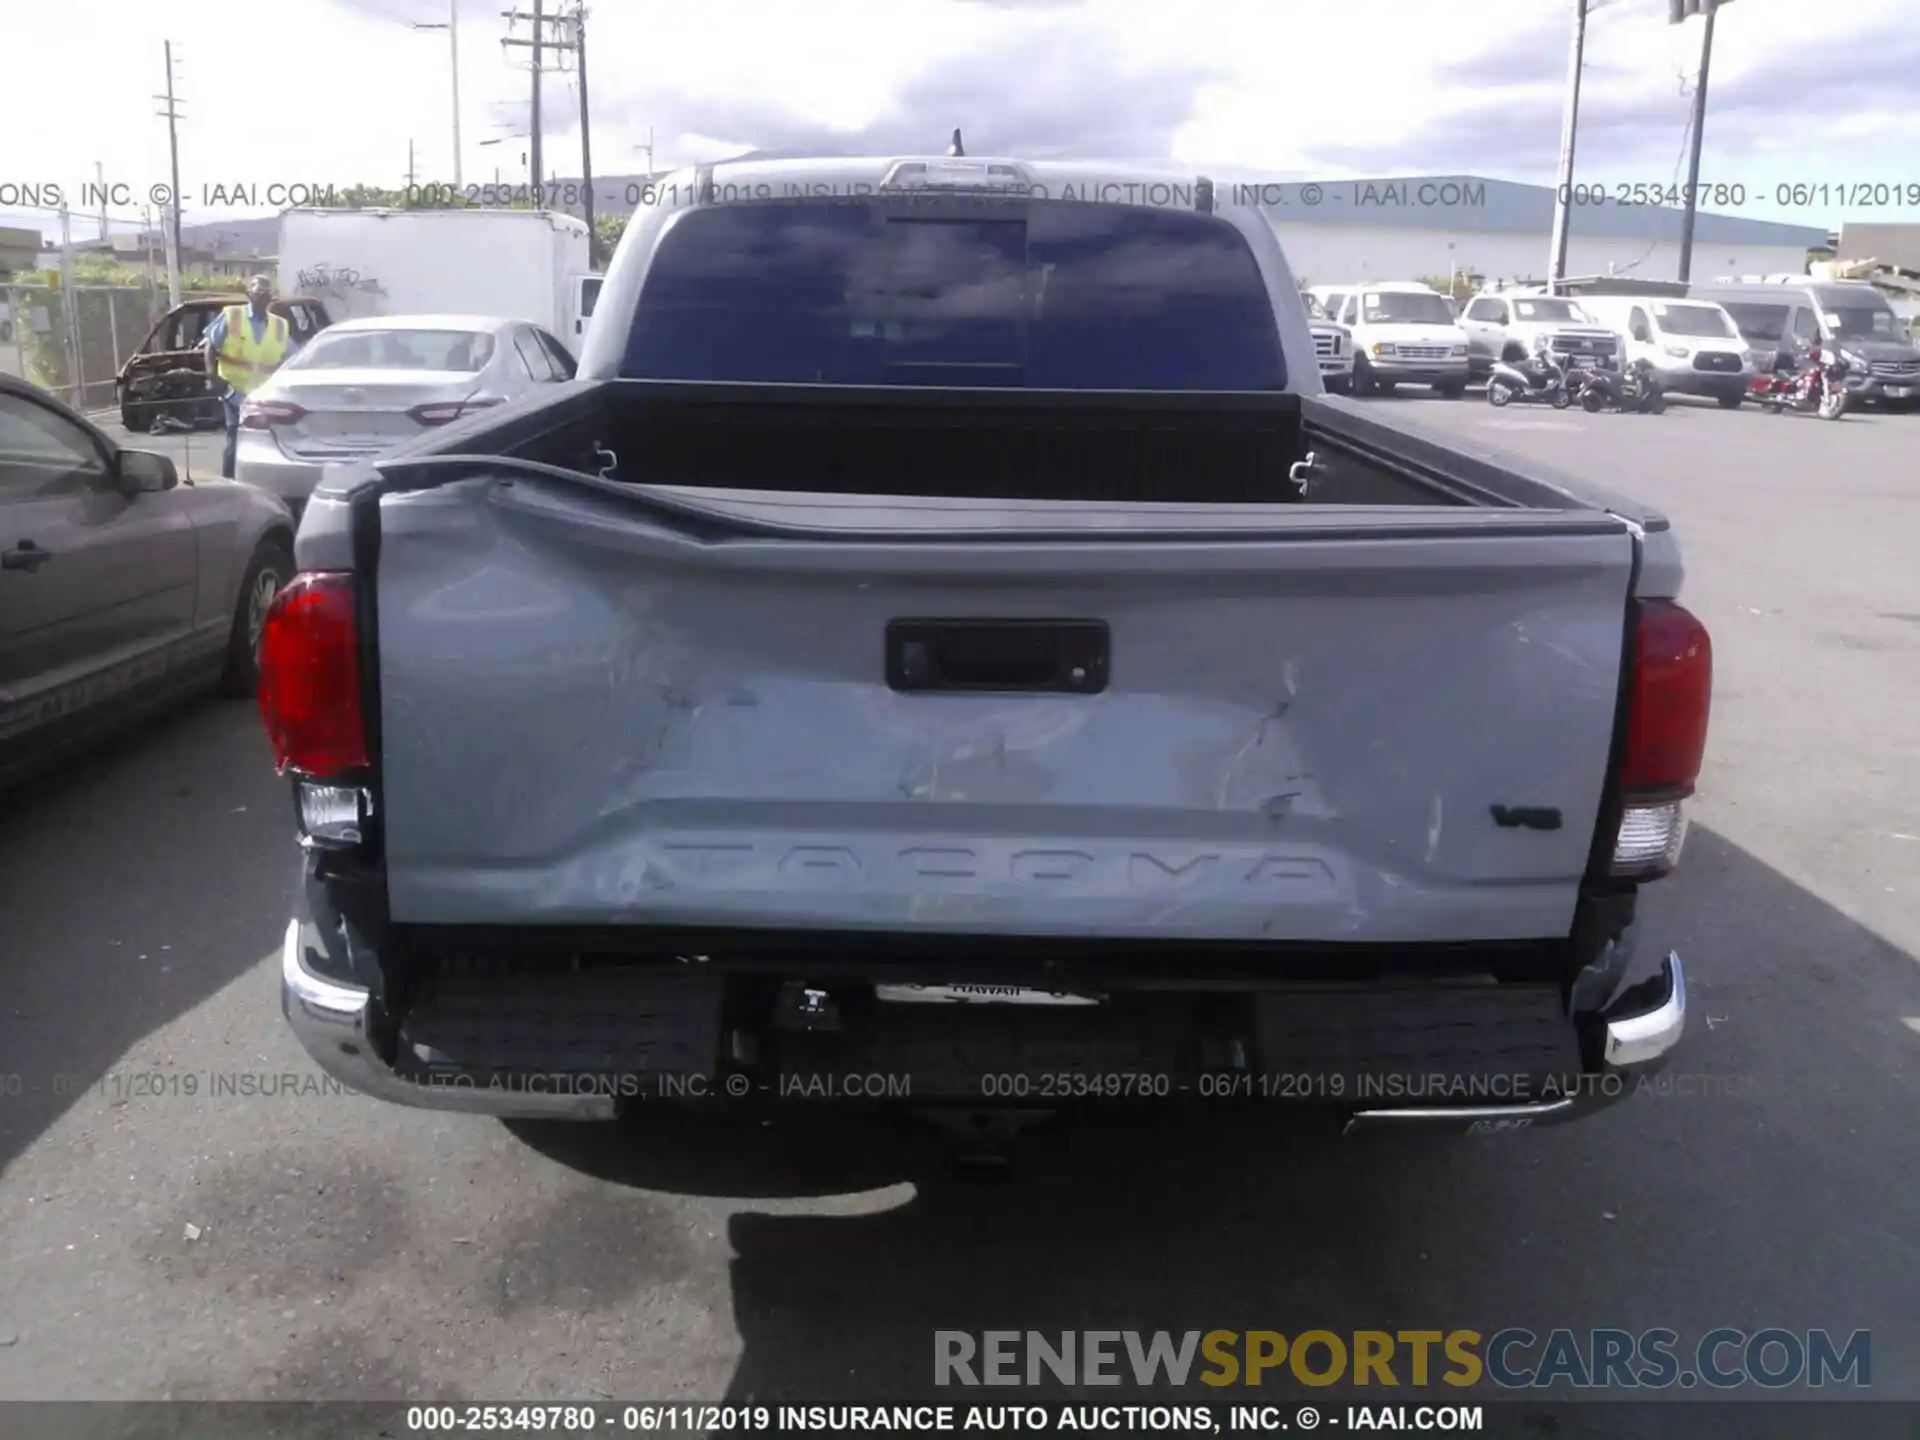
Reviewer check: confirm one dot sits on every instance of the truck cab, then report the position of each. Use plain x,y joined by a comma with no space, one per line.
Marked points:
1510,325
1404,333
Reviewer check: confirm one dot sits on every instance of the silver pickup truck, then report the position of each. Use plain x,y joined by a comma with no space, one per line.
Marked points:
945,649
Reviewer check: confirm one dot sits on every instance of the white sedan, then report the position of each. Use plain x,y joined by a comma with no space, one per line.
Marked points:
364,386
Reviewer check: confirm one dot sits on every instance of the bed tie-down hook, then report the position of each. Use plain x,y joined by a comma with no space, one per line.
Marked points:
1301,472
609,462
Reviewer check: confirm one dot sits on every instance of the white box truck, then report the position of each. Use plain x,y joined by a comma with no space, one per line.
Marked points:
532,265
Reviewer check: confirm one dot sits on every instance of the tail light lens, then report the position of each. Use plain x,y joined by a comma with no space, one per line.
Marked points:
441,412
310,678
265,414
1666,737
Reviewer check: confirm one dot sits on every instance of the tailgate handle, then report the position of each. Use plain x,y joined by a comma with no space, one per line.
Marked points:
1035,656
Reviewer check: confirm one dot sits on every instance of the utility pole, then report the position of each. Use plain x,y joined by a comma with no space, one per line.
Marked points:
453,53
1678,11
452,27
586,139
177,249
1563,194
569,38
409,165
539,34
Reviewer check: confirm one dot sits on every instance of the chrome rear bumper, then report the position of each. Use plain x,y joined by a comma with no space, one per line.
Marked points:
330,1019
1635,1042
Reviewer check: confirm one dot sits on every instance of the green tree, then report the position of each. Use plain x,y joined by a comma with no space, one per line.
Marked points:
1461,285
607,230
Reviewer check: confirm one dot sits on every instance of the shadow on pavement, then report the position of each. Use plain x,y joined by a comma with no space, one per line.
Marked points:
1760,1197
135,881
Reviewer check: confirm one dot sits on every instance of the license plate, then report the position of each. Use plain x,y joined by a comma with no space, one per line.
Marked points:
1899,392
1585,362
978,995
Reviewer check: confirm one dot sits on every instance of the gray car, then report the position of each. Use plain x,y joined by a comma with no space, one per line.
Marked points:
364,386
121,586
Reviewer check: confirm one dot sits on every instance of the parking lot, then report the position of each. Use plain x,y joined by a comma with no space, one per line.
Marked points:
301,1244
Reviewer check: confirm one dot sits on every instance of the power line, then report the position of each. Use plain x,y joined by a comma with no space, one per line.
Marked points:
1686,138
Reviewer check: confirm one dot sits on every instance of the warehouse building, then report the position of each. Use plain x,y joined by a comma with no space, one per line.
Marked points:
1396,229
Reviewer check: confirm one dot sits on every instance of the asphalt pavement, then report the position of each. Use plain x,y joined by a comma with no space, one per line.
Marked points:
300,1244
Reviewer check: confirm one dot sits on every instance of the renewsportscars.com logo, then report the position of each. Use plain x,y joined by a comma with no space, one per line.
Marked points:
1722,1359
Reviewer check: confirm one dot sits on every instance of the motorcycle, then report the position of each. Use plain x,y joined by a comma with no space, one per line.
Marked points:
1596,390
1538,380
1815,386
1641,390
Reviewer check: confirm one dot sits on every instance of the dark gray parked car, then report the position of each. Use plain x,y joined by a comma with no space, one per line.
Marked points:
121,586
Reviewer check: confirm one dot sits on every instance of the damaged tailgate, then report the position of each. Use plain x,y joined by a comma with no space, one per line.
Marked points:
742,709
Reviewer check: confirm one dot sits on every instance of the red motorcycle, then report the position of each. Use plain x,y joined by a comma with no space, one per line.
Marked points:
1816,385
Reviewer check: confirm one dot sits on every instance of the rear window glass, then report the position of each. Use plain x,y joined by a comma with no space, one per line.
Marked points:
461,350
1034,293
1697,320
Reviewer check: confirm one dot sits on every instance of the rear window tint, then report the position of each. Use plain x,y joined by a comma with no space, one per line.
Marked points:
1035,293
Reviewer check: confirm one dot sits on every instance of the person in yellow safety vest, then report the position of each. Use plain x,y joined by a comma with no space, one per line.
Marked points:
245,344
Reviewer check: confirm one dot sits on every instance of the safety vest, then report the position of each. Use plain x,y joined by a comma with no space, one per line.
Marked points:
244,361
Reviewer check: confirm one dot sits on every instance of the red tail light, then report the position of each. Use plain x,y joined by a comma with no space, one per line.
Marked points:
1672,692
265,414
1666,738
310,677
442,412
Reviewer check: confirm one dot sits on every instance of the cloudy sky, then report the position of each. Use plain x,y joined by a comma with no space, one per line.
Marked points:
333,90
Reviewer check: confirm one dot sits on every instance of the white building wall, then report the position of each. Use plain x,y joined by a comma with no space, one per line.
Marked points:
1333,254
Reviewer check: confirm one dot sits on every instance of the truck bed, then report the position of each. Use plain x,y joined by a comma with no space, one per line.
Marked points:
689,699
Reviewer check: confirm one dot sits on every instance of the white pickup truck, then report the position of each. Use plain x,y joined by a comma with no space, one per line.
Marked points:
1509,325
947,634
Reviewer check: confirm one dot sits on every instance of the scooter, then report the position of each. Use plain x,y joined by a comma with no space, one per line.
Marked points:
1815,386
1540,379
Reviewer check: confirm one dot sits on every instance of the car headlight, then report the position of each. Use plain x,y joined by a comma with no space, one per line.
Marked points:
1383,348
1857,361
1678,352
1459,350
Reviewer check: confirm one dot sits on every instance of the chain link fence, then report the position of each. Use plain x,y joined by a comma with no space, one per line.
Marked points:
73,342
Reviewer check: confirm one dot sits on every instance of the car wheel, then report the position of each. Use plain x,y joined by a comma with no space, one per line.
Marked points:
1362,376
1338,384
267,574
1386,387
136,418
1452,390
1732,402
1592,401
1657,404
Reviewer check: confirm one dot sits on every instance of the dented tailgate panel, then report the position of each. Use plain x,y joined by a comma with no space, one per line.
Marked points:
590,717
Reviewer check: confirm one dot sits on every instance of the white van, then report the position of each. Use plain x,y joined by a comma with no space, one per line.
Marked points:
1404,333
1693,345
